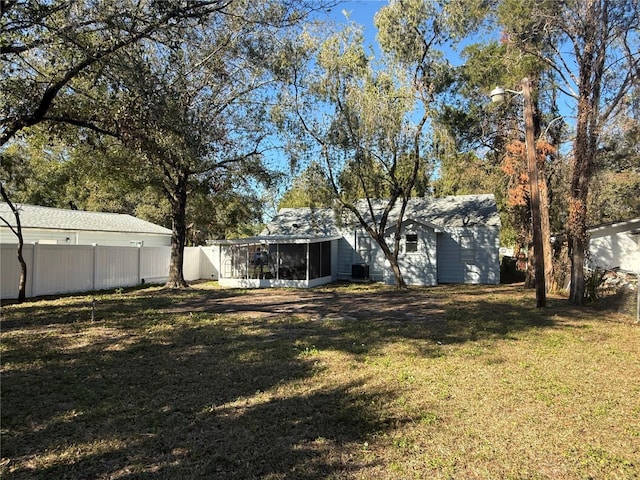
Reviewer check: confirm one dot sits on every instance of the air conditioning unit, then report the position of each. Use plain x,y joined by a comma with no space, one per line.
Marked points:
360,271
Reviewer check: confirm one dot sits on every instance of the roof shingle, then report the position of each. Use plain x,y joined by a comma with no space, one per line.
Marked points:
445,212
34,216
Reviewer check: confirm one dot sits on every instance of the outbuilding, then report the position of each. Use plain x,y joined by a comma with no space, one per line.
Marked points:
46,225
615,245
453,239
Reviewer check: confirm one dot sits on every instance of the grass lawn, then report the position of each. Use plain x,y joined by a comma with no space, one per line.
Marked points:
341,382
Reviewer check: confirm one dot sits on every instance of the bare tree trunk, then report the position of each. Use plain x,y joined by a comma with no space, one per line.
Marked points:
392,258
550,282
584,157
17,230
22,283
586,140
532,169
530,273
577,225
178,199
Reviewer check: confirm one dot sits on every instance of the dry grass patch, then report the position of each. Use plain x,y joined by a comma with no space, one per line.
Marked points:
338,382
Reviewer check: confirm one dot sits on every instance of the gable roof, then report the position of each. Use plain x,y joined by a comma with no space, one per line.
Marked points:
47,218
303,222
455,210
444,212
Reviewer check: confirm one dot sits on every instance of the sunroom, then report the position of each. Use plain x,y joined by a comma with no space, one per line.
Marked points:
277,261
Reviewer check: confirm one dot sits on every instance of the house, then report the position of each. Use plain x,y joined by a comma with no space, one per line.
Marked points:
615,245
452,239
47,225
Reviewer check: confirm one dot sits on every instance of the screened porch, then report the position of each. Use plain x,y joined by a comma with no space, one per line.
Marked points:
260,262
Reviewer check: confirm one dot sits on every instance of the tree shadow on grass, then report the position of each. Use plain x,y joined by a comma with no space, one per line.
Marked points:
214,384
187,402
294,437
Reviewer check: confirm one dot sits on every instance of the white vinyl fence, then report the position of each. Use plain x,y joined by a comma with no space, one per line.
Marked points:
57,269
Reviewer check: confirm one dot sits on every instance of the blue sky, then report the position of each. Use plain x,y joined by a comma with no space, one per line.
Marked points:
361,12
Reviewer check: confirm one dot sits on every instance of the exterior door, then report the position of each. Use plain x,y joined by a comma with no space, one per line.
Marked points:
450,268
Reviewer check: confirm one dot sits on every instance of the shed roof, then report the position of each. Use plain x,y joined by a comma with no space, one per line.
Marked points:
34,216
632,226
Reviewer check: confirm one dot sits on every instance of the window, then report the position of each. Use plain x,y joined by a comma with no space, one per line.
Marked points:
411,243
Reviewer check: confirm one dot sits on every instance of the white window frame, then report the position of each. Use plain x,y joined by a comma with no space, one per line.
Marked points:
408,242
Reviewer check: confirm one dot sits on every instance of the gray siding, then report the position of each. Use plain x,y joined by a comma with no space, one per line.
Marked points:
487,257
419,267
345,259
460,255
80,237
450,269
469,255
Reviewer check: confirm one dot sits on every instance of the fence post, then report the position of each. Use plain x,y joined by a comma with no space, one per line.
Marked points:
31,275
95,265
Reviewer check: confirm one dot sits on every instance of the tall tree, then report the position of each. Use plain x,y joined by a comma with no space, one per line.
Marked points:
598,71
168,79
311,189
370,118
200,104
16,228
49,49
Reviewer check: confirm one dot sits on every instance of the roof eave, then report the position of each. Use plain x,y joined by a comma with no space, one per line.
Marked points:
272,239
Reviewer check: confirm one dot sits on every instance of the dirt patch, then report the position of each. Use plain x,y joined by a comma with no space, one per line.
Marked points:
334,302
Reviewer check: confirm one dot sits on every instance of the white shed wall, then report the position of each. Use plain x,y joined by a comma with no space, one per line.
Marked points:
615,249
81,237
